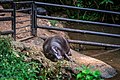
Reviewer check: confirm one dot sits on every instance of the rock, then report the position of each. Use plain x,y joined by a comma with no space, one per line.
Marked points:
35,52
41,11
19,46
106,70
38,41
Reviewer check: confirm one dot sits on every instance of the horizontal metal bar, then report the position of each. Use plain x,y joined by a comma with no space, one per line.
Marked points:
6,10
94,43
23,21
80,31
2,14
23,27
6,1
79,21
21,10
6,18
89,43
6,32
24,15
24,2
73,7
23,32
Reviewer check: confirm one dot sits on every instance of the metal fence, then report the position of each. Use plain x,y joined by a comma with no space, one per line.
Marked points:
25,15
80,21
12,18
13,10
34,25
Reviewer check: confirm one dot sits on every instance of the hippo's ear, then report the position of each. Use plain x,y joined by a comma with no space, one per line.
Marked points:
57,52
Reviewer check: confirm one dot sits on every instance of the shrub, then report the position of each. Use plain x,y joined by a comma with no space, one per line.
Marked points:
87,74
55,73
13,67
53,22
88,15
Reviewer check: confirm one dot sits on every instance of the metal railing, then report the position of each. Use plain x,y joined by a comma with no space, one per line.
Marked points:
24,15
34,25
81,21
11,18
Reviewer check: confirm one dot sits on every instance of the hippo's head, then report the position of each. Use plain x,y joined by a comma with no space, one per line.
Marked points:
57,52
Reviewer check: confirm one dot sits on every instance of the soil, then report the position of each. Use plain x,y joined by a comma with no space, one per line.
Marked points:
25,32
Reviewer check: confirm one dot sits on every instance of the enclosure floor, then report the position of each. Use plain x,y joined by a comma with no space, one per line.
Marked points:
111,58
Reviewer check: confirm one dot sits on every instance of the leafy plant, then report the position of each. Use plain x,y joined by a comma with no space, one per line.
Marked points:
56,73
107,2
87,74
53,22
13,67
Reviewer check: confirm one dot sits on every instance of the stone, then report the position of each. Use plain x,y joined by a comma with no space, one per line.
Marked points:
106,70
36,53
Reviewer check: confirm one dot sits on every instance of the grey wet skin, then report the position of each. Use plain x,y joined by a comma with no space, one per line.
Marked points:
56,48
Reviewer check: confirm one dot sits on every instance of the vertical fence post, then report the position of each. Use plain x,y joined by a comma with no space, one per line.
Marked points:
33,20
14,20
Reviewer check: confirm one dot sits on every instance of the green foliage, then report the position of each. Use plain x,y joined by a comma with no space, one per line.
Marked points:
53,22
54,73
89,15
13,67
87,74
107,2
92,16
112,5
5,46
